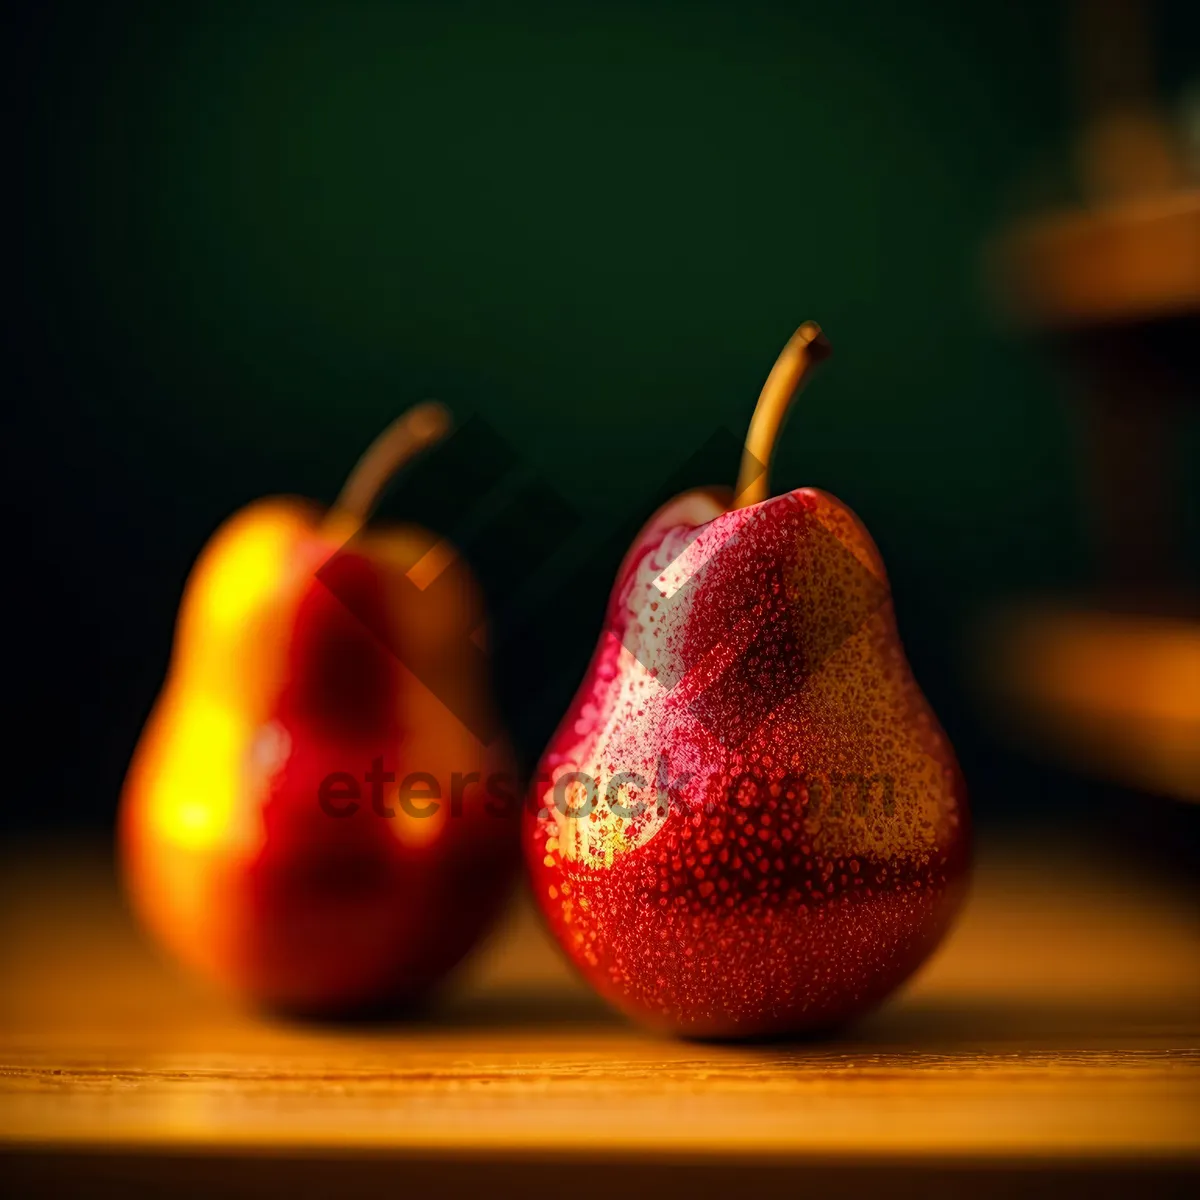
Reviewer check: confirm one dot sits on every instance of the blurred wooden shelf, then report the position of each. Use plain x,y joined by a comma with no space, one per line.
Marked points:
1054,1042
1116,695
1134,260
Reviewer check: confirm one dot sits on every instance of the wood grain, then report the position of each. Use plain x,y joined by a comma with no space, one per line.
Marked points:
1057,1031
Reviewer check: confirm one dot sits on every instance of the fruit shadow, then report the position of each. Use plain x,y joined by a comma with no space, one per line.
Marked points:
494,1011
941,1027
523,1010
968,1026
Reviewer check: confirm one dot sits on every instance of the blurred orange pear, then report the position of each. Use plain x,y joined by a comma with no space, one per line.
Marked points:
321,813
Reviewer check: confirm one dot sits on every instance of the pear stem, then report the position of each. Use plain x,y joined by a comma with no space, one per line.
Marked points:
805,349
404,438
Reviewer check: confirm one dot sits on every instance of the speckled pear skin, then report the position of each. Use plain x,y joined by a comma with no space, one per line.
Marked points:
749,823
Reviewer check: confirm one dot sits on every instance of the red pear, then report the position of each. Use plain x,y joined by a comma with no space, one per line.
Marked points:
311,816
749,822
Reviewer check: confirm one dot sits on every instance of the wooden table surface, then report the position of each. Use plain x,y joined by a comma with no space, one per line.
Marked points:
1054,1040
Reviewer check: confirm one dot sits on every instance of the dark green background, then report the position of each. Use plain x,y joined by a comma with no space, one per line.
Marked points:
247,236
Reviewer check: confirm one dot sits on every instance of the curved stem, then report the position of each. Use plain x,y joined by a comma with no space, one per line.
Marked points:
406,436
806,347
